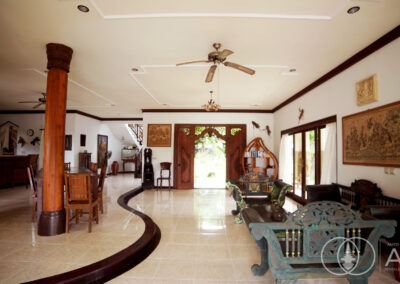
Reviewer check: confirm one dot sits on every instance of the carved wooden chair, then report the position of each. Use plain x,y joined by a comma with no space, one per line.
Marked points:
80,196
100,187
93,167
32,183
165,167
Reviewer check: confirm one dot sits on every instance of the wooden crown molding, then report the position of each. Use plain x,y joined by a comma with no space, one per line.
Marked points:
202,110
381,42
72,111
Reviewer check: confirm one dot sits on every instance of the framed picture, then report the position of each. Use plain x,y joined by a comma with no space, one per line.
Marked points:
102,148
159,135
83,140
372,137
367,90
68,142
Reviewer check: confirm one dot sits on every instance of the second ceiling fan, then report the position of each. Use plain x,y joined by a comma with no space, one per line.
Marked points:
217,57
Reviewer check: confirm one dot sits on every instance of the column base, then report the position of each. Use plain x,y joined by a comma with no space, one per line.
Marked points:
51,223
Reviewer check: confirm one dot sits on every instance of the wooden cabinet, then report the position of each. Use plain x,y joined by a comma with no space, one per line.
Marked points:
13,169
257,158
85,160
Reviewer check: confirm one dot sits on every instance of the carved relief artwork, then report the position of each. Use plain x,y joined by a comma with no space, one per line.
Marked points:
367,90
372,137
159,135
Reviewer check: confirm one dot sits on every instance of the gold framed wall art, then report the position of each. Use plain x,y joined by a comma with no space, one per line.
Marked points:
367,90
159,135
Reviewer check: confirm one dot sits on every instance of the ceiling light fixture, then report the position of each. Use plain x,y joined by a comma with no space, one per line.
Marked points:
83,8
353,10
211,104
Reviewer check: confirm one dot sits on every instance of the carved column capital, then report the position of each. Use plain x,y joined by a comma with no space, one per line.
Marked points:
58,56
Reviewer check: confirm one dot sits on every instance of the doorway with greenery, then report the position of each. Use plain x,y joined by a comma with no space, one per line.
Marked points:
209,158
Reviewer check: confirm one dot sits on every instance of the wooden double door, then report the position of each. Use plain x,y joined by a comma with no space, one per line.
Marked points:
184,145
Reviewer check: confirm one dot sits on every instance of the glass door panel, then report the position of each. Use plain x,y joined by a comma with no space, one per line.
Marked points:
310,158
298,164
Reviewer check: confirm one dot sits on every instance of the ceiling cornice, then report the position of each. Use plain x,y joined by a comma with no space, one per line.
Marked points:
72,111
381,42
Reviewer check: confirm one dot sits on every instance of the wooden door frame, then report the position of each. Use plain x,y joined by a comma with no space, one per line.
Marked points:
192,127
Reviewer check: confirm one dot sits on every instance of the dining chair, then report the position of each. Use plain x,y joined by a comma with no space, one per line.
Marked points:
101,185
165,167
93,167
32,183
67,166
80,196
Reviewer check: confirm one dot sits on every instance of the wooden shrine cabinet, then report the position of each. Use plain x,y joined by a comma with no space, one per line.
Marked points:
258,159
85,160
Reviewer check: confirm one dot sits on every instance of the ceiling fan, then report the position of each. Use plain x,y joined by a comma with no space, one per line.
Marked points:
216,57
39,102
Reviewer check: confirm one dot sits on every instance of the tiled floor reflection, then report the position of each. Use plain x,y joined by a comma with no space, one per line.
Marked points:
200,242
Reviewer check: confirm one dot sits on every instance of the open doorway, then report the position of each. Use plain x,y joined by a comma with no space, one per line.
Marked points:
209,162
224,143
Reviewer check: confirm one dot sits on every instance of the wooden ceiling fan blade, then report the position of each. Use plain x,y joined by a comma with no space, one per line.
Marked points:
38,105
225,53
191,62
210,73
240,67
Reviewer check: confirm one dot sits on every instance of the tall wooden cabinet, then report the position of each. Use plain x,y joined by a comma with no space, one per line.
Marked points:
85,160
257,158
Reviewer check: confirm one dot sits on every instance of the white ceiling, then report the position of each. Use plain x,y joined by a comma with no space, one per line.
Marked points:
270,36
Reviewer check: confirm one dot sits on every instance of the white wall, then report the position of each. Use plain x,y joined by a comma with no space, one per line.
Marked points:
166,154
78,124
25,122
338,96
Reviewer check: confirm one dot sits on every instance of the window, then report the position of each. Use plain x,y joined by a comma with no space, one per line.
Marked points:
309,156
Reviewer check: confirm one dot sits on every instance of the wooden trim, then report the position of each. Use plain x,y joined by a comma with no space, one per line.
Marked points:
72,111
202,110
310,125
381,42
113,266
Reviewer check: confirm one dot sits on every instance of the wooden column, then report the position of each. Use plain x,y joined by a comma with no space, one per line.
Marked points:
52,218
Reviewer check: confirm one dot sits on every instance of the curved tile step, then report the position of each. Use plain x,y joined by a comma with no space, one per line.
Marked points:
113,266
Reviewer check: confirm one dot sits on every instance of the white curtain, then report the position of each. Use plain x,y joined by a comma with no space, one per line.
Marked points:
328,167
286,159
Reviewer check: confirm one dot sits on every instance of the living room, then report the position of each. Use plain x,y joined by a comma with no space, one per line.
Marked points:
123,71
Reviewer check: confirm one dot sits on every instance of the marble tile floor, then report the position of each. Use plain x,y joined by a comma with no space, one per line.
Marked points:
200,243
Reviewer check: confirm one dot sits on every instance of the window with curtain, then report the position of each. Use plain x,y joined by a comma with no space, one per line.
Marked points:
307,156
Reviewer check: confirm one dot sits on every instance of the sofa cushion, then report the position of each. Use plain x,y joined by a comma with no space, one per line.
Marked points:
323,192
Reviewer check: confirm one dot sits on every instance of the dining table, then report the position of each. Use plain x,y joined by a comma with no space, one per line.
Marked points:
73,170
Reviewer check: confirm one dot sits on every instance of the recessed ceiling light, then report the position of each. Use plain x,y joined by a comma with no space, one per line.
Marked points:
353,10
135,69
83,8
292,70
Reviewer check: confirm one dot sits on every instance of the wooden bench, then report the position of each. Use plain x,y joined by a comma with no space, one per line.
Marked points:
320,235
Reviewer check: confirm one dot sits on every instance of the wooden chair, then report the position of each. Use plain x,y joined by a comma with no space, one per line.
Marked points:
67,166
93,167
165,166
100,187
32,183
80,196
